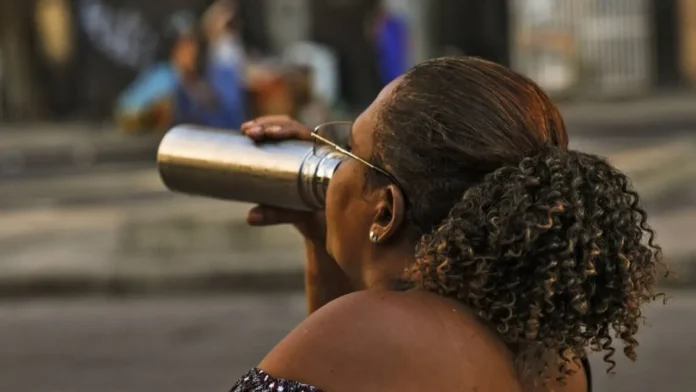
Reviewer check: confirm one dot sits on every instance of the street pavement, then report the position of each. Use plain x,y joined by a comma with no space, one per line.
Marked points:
202,343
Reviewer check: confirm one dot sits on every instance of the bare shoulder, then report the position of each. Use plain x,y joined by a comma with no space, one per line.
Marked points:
380,340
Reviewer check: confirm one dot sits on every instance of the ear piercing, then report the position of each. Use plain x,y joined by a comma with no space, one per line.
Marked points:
373,237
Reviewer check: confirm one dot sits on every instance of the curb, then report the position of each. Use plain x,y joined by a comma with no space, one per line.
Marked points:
683,268
244,282
668,126
77,155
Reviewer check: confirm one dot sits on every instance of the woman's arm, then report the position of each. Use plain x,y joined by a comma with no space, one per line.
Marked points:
324,279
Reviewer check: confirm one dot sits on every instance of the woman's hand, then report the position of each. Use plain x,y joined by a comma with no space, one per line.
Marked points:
311,225
278,127
324,278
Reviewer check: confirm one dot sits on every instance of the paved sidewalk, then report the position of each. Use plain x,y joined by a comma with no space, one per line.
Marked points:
190,343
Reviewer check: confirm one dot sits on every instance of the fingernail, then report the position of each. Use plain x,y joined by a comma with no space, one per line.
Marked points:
274,128
255,130
255,216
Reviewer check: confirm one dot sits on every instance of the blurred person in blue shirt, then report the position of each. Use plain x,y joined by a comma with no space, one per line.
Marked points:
218,99
189,87
391,37
147,104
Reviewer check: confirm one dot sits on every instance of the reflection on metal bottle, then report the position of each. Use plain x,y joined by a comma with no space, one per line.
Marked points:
224,164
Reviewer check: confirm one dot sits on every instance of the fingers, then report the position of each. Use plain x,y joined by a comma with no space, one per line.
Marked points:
275,118
278,127
267,216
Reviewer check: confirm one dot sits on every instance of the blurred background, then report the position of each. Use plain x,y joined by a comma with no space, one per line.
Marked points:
109,282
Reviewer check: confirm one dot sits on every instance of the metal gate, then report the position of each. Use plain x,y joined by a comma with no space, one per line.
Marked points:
594,48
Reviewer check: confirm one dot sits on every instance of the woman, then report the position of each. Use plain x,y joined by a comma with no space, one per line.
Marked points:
464,247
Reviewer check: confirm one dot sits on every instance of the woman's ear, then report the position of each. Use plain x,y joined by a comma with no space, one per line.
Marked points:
389,216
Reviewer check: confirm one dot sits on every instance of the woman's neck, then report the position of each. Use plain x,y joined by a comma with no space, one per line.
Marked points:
387,271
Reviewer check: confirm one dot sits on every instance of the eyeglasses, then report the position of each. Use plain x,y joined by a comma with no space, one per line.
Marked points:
336,135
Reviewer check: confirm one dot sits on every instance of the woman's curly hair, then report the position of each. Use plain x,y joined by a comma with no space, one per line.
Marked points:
554,253
549,246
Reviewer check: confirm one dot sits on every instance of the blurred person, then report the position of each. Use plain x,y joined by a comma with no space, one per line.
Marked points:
148,103
213,94
188,88
390,35
463,245
222,26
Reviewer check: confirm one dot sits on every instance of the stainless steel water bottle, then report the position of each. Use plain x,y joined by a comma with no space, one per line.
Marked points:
225,164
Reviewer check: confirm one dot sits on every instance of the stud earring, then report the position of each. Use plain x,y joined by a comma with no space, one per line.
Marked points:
373,237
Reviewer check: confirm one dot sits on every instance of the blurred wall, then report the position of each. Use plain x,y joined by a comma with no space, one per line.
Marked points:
255,24
667,42
472,27
342,25
21,92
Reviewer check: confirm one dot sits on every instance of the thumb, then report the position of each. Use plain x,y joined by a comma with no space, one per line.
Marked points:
266,216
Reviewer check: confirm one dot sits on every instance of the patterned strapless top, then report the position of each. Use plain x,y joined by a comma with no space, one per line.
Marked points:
259,381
